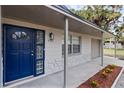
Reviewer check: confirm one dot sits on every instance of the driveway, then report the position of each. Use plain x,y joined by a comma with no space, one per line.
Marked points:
76,75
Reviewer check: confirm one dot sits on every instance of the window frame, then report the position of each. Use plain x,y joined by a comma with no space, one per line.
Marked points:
71,43
19,35
79,40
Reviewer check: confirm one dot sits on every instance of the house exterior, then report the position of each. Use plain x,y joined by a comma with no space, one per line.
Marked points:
38,41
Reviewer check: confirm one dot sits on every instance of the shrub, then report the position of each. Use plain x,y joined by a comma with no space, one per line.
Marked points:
108,70
94,83
112,66
104,74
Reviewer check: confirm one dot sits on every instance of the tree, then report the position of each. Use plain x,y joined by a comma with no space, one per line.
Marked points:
105,16
119,30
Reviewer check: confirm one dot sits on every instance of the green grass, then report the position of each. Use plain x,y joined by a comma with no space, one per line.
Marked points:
110,52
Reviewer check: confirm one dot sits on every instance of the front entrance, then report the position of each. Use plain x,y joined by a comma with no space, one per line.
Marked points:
20,53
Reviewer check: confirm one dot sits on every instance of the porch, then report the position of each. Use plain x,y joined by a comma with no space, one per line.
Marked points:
76,75
28,16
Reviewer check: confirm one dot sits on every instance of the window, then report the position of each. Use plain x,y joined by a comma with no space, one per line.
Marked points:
69,45
39,52
73,45
20,35
39,67
39,37
76,44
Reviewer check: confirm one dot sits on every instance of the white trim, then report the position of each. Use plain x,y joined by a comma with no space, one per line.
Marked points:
24,81
17,80
116,80
1,58
66,14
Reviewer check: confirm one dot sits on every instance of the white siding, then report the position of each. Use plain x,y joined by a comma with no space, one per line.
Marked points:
53,49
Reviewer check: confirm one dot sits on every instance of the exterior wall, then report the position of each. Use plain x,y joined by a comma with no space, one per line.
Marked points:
53,49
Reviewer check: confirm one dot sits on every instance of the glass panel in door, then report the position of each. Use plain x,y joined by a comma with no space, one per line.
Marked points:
39,52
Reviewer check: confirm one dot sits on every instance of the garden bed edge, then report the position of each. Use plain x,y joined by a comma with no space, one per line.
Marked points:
117,78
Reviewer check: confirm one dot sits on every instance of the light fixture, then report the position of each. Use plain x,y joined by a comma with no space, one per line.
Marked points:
51,36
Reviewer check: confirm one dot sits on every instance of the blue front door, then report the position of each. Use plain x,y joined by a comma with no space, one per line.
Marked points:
19,52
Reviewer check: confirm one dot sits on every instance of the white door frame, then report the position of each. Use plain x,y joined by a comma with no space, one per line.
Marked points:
1,58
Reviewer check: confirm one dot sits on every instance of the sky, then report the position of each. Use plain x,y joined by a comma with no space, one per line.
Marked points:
77,7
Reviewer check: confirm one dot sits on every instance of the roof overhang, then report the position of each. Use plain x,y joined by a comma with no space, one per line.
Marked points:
49,16
75,18
106,34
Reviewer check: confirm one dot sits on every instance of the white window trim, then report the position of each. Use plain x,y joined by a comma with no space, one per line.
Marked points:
80,43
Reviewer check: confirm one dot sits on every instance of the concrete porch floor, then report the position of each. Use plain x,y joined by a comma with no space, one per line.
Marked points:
76,75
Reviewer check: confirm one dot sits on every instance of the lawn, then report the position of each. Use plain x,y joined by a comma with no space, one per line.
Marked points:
110,52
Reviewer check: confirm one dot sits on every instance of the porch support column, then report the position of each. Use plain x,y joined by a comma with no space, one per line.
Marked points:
65,51
1,59
102,43
115,47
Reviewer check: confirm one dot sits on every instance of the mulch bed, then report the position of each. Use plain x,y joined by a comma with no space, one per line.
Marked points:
103,82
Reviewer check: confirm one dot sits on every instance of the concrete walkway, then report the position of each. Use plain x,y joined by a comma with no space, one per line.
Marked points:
120,83
76,75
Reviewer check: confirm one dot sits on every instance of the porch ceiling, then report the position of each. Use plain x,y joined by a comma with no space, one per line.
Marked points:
43,15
